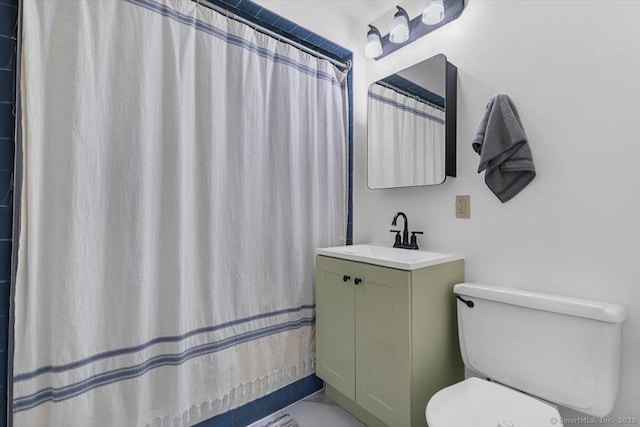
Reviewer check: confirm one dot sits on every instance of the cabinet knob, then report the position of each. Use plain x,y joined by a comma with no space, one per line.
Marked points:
346,278
357,280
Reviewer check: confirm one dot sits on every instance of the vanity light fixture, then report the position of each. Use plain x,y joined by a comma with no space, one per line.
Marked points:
433,12
400,29
412,19
373,48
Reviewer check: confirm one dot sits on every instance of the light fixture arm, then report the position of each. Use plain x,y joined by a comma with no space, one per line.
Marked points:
401,12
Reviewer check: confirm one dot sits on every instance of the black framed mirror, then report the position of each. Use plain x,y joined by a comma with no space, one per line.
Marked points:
411,123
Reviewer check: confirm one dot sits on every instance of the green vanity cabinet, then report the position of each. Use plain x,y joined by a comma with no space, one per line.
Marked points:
386,339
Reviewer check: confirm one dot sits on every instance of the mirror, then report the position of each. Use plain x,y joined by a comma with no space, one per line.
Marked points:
411,124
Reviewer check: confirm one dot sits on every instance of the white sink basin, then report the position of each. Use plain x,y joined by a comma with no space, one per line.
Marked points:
402,259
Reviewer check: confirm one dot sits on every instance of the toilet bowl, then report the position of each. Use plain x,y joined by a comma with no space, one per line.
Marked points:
539,350
475,402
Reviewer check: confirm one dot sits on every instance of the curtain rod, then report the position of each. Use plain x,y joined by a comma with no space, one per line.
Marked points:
410,95
345,66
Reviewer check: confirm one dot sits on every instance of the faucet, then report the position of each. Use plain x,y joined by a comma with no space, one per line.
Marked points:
405,233
404,242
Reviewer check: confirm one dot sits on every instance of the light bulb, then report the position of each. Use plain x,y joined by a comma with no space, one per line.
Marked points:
373,48
400,29
433,12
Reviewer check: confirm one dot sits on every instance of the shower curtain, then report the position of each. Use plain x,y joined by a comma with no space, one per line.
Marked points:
406,140
180,169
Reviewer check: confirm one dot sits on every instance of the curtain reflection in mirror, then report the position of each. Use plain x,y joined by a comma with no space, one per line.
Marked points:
406,140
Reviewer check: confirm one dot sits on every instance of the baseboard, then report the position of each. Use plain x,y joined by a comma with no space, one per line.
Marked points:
353,408
266,405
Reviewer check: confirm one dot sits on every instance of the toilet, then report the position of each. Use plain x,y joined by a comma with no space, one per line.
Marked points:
533,351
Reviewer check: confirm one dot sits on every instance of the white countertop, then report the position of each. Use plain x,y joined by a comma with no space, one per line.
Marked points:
377,254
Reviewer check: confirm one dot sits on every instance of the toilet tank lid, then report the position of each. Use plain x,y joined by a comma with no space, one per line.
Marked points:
598,310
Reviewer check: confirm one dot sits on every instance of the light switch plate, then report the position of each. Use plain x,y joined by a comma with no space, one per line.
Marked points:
463,206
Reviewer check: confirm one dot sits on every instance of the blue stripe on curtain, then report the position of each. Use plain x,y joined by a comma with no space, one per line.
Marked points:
62,393
405,108
129,350
235,40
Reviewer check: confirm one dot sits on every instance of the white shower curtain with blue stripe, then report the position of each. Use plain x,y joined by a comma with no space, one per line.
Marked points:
180,169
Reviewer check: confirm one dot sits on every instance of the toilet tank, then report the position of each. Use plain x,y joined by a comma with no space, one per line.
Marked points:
561,349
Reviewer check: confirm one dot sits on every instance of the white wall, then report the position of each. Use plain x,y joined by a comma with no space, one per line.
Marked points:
572,70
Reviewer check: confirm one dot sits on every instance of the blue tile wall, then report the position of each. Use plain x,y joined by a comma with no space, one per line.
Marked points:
8,22
260,408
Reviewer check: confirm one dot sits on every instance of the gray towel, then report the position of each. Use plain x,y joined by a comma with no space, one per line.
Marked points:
504,149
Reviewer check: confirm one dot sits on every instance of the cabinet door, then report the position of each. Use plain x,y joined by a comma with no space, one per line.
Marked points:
335,324
383,348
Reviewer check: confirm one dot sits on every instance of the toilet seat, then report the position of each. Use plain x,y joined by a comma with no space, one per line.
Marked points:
478,403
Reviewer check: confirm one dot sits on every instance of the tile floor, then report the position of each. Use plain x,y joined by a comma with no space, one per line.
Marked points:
315,410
